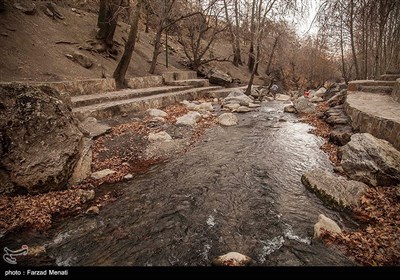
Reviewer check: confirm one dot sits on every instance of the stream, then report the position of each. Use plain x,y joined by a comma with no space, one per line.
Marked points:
238,189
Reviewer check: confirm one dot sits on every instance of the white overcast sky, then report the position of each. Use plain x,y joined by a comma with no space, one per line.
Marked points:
304,25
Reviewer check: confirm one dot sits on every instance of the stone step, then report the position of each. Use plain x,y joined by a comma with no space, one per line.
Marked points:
85,100
179,75
191,82
376,114
377,89
356,85
113,108
389,77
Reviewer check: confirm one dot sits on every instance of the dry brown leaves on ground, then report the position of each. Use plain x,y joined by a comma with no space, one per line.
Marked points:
378,242
322,129
36,211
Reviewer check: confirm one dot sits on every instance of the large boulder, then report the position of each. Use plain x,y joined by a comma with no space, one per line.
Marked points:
334,189
40,139
341,134
238,97
338,99
371,160
303,105
219,78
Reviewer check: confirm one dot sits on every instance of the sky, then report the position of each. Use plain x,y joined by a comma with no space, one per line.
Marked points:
304,26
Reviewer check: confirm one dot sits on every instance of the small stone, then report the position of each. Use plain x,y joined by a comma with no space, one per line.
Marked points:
215,100
289,109
157,113
231,106
36,251
253,105
232,259
282,120
161,136
93,210
158,119
270,98
128,176
228,119
243,109
86,195
102,174
325,223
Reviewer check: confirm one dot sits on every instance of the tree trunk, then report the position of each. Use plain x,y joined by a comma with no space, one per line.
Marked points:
232,36
353,47
251,60
120,71
251,80
107,20
156,50
272,55
237,57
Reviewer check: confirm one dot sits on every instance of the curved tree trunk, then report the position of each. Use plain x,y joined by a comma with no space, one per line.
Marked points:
156,50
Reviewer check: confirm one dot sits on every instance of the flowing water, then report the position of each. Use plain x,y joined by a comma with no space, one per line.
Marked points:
238,189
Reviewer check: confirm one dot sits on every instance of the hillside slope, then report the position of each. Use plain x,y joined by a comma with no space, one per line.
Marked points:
31,49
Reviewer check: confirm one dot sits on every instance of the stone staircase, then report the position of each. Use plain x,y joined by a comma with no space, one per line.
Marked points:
175,87
374,107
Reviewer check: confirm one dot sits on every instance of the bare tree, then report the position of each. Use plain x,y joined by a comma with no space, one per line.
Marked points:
234,31
107,20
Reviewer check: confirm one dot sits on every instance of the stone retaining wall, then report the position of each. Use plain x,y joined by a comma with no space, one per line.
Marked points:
379,127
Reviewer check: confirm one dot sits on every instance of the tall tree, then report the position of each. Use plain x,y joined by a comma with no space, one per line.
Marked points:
107,20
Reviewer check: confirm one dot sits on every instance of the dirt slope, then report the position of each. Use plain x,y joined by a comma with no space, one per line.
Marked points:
29,50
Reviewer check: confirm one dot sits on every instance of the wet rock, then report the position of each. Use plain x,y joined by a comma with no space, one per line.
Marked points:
238,97
232,106
190,119
334,189
232,259
338,120
371,160
41,141
92,128
320,92
243,109
93,210
26,6
86,195
159,137
282,97
81,59
289,109
340,135
316,99
228,119
102,174
157,113
325,224
303,105
82,168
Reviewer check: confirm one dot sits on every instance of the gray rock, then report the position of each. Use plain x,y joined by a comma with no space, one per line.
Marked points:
159,137
102,174
92,128
81,59
334,189
157,113
320,92
371,160
232,259
190,119
282,97
337,99
289,109
207,106
219,78
232,106
82,168
269,98
316,99
93,210
228,119
41,141
303,105
26,6
238,97
253,105
243,109
325,223
157,119
340,135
